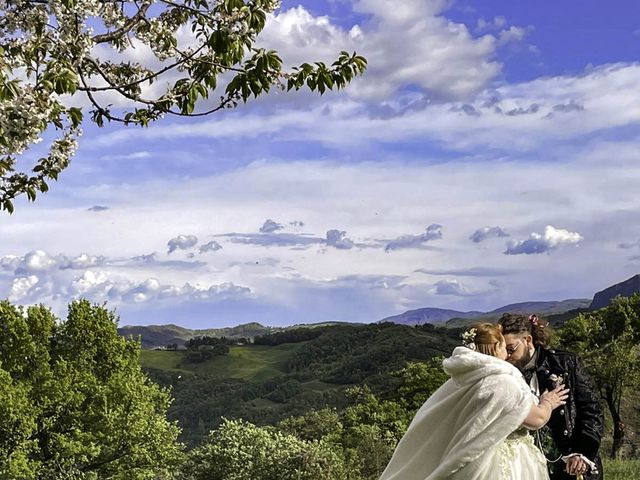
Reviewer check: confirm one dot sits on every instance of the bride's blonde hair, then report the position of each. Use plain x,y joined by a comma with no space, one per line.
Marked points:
488,337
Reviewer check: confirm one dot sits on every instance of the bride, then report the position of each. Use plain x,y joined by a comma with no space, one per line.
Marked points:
475,426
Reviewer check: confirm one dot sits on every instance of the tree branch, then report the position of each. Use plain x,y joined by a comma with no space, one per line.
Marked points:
111,36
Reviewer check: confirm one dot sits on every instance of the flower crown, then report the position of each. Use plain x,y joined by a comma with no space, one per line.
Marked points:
469,338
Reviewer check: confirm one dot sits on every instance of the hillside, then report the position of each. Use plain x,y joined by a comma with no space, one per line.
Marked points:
266,383
155,336
543,308
624,289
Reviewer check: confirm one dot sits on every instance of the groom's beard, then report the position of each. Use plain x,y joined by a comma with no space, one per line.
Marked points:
521,363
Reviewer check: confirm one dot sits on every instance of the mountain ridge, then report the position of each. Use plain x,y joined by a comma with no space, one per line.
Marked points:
153,336
626,288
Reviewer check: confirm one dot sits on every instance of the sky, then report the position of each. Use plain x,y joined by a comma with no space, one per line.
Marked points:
489,155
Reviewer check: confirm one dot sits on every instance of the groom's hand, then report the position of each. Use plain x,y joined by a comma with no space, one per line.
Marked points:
576,466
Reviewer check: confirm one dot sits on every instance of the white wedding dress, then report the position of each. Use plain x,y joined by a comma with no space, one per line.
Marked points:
470,428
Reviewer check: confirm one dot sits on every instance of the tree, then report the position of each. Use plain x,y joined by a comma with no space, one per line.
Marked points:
53,48
239,450
419,381
607,339
74,402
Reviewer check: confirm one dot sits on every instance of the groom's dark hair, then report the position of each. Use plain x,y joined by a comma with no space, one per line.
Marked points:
522,325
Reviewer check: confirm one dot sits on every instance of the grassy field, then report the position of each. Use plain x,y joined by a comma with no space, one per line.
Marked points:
621,469
253,363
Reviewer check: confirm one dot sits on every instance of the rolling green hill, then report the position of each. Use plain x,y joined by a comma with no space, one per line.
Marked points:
249,362
267,383
155,336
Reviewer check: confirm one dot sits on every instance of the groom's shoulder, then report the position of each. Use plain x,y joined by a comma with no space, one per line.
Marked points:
559,353
562,356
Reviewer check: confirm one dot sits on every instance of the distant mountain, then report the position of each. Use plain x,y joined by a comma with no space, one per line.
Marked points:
429,315
543,308
454,318
161,335
153,336
624,289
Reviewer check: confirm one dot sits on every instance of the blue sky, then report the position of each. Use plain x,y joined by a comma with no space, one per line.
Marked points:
488,156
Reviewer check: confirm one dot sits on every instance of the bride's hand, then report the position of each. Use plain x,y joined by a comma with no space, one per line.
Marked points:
556,397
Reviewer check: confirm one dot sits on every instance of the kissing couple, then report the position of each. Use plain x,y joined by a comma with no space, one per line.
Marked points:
482,424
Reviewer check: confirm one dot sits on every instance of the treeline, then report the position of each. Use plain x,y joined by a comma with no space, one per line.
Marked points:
295,335
355,354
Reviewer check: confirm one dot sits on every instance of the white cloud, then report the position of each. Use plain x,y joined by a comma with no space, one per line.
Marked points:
182,242
551,239
82,261
512,34
21,287
487,232
211,246
593,189
411,43
270,226
100,286
338,239
450,287
519,117
36,261
494,24
432,232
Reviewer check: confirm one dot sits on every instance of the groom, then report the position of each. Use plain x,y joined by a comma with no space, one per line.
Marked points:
577,428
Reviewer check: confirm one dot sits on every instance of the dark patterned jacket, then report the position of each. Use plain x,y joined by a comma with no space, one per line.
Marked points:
576,427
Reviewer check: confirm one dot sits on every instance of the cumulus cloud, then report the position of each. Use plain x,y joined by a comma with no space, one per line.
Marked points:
270,226
417,28
211,246
39,261
182,242
487,232
99,286
432,232
338,239
450,287
512,34
36,261
10,262
21,286
551,239
82,261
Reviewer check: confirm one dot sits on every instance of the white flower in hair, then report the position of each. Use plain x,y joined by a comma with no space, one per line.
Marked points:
469,338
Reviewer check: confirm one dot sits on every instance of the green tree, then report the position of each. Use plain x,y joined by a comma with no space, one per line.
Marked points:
372,429
419,381
607,340
74,402
239,450
53,48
